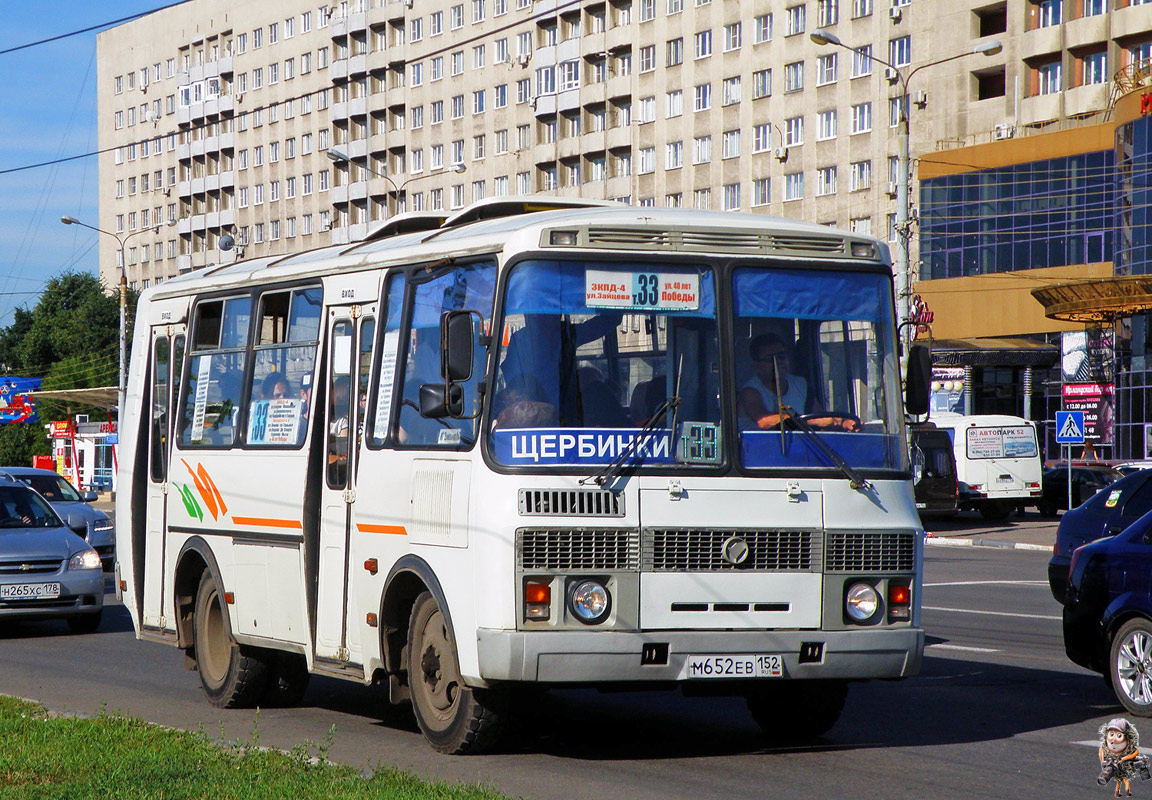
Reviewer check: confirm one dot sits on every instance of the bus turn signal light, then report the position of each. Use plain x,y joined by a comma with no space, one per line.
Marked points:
899,601
537,601
372,565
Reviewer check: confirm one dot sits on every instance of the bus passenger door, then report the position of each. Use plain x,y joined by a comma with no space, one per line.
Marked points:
351,331
167,354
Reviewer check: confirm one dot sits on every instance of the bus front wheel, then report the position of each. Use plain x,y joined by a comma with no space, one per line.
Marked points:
802,709
453,717
232,676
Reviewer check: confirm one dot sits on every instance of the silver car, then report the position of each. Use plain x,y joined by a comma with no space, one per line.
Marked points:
90,524
46,570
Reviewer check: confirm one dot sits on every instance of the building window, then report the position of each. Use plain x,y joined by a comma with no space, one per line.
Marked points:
732,37
731,144
701,149
825,181
703,42
862,118
761,84
762,29
1096,67
794,131
795,20
1049,13
1049,78
732,90
861,8
760,191
761,138
860,176
731,196
900,51
675,52
826,125
827,12
794,77
675,103
862,61
826,69
674,155
861,225
794,186
702,97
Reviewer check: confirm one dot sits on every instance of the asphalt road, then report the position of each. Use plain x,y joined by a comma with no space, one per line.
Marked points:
997,711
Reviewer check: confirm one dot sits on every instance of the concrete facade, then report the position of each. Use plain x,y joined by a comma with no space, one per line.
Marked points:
225,109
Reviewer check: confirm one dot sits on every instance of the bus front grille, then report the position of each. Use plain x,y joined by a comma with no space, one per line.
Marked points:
862,551
571,503
564,549
692,550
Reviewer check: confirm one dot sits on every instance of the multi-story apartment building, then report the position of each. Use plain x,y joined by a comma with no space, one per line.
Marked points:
215,117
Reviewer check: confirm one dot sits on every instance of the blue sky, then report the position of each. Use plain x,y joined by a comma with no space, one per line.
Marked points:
48,102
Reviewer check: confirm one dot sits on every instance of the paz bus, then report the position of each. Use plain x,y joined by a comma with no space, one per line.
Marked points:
534,444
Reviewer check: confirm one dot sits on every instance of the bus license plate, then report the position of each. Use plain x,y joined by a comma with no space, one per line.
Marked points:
29,591
742,666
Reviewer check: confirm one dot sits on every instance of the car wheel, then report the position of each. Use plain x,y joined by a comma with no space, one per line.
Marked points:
453,717
803,709
994,510
1130,666
287,680
232,676
85,623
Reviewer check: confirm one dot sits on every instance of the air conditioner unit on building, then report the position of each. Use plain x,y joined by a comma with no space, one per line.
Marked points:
891,75
920,98
895,13
1003,131
892,189
781,153
523,59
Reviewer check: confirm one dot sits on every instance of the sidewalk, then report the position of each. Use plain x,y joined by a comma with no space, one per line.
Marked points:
1029,531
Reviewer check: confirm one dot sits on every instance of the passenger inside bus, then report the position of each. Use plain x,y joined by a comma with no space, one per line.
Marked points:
275,386
338,432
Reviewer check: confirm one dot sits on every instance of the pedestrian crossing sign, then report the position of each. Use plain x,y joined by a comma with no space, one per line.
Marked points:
1070,427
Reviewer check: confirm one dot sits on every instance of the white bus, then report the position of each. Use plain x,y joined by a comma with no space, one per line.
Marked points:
536,443
997,461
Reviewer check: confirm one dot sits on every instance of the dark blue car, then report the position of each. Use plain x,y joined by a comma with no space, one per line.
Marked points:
1108,613
1104,514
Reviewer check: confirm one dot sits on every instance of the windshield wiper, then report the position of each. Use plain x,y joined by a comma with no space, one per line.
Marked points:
854,479
614,467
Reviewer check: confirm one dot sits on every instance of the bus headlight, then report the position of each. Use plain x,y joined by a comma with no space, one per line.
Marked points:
589,602
861,602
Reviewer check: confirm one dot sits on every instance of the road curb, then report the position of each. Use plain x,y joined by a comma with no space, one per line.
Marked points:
943,541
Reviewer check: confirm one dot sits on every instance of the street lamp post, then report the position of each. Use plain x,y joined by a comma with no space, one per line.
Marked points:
122,386
903,201
336,156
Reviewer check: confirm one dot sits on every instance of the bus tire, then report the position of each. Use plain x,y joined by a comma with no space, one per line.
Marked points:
804,709
232,676
287,680
454,718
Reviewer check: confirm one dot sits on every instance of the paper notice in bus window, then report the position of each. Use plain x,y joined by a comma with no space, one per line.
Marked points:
1001,443
1019,443
274,421
387,378
654,291
200,404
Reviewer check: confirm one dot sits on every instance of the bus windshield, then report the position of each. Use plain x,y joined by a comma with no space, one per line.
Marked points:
590,351
816,345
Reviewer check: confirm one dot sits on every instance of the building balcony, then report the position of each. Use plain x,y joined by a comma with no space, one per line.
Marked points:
227,217
1041,108
1042,41
225,65
184,262
1129,21
357,148
184,151
339,236
226,104
184,226
544,104
197,186
338,111
198,148
184,115
619,86
227,179
211,183
619,137
358,65
227,141
1086,30
199,222
195,73
338,69
212,219
1086,99
358,106
338,195
568,100
358,190
184,189
211,144
357,232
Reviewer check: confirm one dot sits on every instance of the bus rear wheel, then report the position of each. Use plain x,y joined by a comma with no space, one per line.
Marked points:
454,718
232,676
287,682
798,709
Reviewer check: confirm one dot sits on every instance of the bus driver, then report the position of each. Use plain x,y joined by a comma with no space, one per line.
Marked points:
760,405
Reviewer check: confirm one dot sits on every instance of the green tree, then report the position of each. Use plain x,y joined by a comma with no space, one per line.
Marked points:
70,338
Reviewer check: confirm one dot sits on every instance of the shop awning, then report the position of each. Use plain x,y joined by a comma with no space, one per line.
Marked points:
1100,300
100,396
994,352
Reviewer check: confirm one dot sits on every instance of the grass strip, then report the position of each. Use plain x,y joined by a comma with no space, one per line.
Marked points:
46,756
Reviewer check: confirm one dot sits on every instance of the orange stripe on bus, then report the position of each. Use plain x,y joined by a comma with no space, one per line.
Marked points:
261,522
395,530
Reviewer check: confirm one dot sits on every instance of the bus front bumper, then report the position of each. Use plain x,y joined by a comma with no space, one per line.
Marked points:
607,656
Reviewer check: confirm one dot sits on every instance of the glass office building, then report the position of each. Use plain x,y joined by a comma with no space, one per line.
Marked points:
1048,213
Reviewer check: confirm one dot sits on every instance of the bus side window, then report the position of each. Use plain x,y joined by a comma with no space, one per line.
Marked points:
161,375
214,386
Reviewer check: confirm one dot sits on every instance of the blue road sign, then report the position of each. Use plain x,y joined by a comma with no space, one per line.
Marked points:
1069,427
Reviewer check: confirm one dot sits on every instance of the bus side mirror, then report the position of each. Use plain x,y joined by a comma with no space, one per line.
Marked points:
918,383
438,400
456,346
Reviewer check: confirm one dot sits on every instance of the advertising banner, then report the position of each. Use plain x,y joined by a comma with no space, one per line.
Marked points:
15,405
1087,356
1096,400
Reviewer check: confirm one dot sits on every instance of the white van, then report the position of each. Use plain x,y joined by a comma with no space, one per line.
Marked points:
997,461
